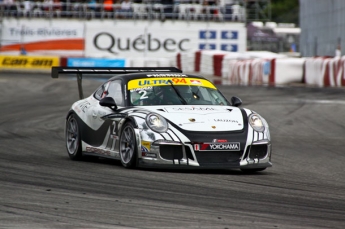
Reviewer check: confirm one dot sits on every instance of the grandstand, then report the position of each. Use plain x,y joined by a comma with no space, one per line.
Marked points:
196,10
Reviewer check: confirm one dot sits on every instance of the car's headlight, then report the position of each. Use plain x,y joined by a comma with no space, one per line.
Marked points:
157,123
256,122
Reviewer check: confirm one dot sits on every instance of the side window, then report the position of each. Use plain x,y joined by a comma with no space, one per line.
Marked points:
115,91
101,92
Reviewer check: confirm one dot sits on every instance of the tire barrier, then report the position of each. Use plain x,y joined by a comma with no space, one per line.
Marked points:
246,72
325,71
249,68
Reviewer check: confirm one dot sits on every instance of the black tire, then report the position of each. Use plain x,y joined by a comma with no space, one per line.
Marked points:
252,170
128,146
72,136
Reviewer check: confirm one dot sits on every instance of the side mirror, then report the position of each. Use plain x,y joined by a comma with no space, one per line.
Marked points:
235,101
108,102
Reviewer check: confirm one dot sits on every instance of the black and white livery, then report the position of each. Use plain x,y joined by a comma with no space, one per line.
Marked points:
162,117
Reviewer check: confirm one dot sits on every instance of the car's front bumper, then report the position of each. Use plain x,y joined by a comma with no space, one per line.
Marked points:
168,154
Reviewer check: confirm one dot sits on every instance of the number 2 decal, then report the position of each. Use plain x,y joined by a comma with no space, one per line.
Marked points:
143,96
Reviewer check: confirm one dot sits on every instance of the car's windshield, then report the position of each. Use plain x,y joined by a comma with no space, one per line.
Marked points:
174,91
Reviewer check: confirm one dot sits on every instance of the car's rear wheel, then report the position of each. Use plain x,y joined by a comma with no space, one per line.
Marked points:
128,146
73,142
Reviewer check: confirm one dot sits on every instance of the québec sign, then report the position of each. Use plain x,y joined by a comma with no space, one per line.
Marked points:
107,42
132,39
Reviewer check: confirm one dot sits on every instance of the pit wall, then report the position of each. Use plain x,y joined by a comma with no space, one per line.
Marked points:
249,68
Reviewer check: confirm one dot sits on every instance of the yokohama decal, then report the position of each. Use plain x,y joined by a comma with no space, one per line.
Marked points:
228,146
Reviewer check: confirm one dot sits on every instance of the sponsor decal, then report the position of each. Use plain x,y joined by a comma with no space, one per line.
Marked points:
145,149
151,82
141,89
44,32
145,154
218,146
95,62
28,62
98,151
167,75
114,136
219,140
193,109
76,108
195,81
84,106
225,120
146,146
162,82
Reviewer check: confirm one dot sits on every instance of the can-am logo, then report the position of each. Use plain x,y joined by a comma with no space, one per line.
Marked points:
228,146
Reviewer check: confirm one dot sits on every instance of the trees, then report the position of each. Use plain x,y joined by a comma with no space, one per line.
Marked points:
285,11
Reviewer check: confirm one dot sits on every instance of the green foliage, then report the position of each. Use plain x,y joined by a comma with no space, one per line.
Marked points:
285,11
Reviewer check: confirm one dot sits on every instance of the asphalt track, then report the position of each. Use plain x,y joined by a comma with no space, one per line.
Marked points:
40,187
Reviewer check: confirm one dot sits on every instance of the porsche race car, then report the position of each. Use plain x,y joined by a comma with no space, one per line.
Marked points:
162,117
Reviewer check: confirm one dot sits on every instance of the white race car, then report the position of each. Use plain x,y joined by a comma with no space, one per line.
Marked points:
162,117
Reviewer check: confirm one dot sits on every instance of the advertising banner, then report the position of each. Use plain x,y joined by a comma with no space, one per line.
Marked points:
161,39
118,39
95,62
42,37
29,62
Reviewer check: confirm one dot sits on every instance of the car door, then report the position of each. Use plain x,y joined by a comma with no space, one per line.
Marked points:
105,118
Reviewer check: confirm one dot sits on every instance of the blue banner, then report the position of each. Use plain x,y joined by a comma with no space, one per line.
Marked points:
95,62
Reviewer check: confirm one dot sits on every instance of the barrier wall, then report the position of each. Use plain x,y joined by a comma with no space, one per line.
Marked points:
246,68
234,68
325,72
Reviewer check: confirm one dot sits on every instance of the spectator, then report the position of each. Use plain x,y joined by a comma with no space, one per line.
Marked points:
126,5
26,7
48,5
10,6
92,5
337,51
108,5
57,6
126,9
226,6
168,6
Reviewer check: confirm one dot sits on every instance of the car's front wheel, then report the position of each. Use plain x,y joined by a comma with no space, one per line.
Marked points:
73,143
128,146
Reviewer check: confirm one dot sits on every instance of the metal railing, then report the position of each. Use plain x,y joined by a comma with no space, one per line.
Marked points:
181,11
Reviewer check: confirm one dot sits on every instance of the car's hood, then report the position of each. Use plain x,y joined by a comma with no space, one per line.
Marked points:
202,118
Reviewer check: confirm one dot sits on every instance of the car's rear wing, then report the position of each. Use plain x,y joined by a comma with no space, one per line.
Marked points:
79,71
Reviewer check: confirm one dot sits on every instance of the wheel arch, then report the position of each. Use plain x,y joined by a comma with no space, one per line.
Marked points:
69,113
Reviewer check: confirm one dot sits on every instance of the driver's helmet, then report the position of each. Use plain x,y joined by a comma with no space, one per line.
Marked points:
162,91
185,91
